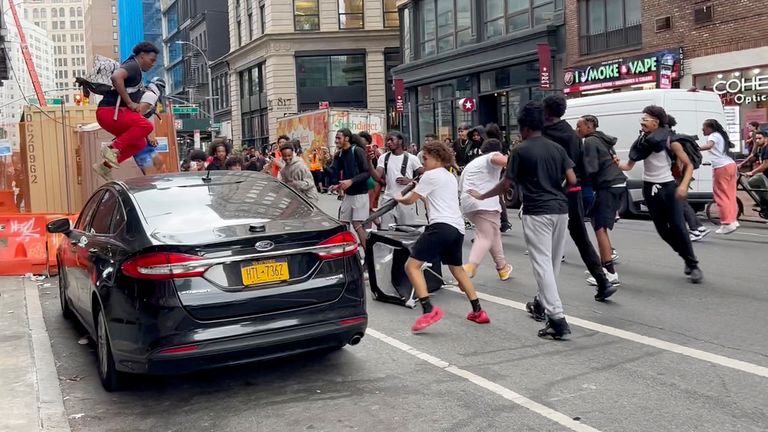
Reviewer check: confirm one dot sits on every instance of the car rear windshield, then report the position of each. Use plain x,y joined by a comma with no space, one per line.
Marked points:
197,207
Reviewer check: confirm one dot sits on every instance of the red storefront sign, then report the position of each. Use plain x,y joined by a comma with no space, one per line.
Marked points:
545,65
399,87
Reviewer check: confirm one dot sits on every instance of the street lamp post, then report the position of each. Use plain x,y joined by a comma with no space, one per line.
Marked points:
210,81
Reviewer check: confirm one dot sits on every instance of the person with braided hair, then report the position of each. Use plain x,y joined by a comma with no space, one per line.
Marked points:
724,175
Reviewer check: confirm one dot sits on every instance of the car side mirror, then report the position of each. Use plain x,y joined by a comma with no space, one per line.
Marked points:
59,226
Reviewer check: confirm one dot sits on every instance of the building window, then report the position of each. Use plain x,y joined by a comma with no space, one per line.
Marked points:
391,16
43,13
337,79
351,14
406,40
114,22
306,15
239,35
262,20
504,17
251,24
79,11
444,25
114,35
254,107
606,25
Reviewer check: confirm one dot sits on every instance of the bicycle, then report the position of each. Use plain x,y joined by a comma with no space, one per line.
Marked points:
713,213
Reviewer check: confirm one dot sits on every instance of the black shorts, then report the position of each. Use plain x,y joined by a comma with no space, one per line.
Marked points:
607,203
442,241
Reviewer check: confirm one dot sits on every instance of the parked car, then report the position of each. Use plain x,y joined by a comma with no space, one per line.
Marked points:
180,272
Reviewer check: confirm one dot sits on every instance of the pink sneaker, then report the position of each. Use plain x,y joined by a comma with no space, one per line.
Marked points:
427,319
479,317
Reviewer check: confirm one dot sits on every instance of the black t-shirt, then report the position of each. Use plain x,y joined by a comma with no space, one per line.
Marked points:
132,80
538,166
762,157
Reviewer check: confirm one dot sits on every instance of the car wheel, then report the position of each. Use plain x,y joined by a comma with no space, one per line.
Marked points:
111,378
66,311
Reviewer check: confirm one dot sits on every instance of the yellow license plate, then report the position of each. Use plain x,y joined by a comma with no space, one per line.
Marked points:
265,272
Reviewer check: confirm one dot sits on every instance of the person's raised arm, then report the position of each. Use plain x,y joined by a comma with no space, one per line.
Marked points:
570,177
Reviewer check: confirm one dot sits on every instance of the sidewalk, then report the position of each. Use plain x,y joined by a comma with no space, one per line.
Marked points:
30,396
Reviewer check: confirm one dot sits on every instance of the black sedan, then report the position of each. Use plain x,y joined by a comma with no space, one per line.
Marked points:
176,273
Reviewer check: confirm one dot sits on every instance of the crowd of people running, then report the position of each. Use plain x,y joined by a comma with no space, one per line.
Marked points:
565,176
462,184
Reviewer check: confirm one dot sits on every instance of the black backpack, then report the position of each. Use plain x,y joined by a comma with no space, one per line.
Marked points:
403,168
690,147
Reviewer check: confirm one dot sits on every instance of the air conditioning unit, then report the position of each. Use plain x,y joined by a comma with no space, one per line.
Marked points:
663,23
703,14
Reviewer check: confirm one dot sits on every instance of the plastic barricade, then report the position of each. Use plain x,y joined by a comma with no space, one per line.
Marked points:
25,245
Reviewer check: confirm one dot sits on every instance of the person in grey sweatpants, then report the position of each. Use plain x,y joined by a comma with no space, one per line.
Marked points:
545,237
540,168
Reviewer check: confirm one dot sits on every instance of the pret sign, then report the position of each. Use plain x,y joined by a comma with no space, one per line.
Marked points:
467,104
399,88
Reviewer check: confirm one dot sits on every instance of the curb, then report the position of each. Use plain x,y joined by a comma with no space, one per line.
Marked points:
52,416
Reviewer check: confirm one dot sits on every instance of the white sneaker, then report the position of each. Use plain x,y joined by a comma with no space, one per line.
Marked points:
728,229
613,278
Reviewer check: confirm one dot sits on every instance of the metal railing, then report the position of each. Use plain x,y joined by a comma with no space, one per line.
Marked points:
611,39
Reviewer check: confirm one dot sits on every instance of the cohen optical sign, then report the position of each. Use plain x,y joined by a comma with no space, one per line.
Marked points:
737,87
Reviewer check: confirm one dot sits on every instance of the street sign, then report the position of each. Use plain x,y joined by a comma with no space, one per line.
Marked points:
185,109
197,139
53,101
216,126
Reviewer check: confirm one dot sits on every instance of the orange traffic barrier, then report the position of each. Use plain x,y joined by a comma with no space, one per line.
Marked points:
26,246
7,202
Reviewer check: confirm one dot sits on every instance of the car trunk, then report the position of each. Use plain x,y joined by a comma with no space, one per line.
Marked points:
262,273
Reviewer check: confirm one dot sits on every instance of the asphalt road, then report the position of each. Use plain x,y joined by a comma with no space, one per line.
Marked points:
664,355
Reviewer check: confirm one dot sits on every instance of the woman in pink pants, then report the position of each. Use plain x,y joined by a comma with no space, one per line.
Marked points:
725,175
483,173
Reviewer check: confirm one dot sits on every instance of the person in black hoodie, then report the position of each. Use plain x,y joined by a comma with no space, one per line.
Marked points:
662,193
350,174
609,184
562,133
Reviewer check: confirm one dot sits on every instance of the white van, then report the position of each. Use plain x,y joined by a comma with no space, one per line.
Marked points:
619,115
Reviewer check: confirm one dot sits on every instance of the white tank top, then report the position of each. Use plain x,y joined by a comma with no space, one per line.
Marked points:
657,168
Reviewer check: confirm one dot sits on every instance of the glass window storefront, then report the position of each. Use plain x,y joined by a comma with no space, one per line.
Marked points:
744,93
438,109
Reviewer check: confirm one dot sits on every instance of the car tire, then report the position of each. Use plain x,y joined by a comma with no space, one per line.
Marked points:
66,310
111,379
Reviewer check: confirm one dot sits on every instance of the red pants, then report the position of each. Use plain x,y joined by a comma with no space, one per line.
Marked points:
725,193
130,129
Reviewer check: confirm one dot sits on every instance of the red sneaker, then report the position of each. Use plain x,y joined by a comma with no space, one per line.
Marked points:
479,317
428,319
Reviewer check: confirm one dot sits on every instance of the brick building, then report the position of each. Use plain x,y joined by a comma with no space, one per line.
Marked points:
720,45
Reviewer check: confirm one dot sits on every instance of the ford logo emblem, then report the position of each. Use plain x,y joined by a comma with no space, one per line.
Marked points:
264,246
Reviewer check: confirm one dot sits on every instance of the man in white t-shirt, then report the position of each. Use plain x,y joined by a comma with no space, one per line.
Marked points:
442,239
397,168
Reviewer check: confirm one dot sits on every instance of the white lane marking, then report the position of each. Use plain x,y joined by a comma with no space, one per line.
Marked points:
749,234
634,337
500,390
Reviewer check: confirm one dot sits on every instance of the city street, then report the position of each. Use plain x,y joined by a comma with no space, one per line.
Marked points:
663,355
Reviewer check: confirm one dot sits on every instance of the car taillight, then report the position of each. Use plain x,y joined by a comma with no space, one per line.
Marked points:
163,266
341,245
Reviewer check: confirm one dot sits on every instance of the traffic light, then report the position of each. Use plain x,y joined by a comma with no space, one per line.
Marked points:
78,99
